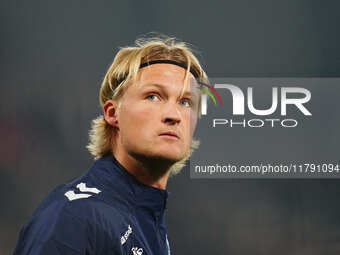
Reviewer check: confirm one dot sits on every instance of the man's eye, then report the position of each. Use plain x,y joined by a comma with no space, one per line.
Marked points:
185,102
152,97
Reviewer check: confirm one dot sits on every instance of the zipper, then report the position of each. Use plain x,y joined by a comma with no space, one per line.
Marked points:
161,243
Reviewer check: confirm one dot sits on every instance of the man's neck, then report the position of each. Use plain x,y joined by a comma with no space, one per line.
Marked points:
148,172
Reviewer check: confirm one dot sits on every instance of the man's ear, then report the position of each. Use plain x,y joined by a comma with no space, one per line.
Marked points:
110,109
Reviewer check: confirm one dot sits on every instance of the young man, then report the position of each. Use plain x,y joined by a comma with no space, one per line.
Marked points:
150,105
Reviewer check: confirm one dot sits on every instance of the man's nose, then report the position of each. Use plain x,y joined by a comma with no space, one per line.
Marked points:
171,114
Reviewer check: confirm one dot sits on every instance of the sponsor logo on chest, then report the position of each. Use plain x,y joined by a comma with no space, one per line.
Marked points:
124,237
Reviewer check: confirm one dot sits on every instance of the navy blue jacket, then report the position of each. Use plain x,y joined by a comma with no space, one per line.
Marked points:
105,211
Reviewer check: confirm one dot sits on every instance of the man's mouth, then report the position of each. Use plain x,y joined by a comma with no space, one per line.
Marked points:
170,134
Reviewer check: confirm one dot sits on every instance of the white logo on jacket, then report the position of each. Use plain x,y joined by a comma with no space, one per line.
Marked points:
137,251
126,235
82,188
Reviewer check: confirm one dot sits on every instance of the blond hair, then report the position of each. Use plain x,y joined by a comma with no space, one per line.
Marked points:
123,69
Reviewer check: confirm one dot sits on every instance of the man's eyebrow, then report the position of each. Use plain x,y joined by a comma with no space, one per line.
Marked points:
162,86
154,85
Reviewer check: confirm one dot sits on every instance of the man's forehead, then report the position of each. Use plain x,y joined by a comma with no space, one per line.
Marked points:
166,77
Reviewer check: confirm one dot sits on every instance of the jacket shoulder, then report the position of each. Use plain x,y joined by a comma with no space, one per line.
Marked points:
75,219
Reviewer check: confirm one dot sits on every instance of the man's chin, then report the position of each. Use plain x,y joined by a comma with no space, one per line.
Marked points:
167,158
164,159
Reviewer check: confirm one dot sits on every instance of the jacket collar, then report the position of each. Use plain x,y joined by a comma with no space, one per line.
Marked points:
116,178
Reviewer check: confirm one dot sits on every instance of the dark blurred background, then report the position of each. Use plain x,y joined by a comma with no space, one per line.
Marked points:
53,57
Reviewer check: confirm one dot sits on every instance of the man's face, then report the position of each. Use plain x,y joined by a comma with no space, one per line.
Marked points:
154,121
